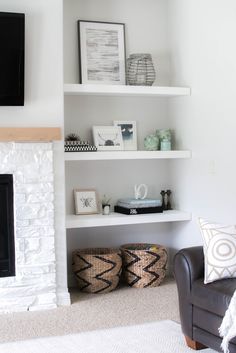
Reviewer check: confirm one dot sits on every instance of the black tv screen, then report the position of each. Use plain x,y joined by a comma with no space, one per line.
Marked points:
12,53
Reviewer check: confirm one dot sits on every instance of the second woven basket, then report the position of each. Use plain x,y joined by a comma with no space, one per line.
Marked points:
144,265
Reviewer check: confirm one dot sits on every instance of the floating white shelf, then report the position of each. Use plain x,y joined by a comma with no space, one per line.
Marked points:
123,90
115,219
115,155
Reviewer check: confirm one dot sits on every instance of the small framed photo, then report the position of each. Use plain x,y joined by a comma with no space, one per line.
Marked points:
86,201
129,134
108,138
101,52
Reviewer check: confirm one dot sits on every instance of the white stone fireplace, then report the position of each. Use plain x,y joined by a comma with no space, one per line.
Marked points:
34,285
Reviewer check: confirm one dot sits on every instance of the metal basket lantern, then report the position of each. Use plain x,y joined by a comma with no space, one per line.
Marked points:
140,70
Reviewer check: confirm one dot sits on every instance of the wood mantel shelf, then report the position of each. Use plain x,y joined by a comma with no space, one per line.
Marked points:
30,134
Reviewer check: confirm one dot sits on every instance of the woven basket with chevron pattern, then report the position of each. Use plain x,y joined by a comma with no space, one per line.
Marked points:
97,270
144,265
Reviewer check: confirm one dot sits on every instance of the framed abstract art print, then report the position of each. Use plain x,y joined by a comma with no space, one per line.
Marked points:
101,52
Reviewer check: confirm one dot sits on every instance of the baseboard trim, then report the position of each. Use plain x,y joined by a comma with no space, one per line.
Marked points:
63,299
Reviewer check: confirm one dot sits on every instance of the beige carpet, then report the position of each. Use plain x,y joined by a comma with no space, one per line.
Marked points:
156,337
123,307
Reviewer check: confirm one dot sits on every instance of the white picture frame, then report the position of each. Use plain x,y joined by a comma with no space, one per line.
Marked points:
86,201
101,52
129,133
108,138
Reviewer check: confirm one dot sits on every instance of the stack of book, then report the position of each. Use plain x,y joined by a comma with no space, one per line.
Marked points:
79,146
133,206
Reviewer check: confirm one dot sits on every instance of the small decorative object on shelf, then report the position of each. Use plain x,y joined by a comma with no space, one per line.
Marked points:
151,142
137,191
106,205
72,137
163,198
166,203
97,270
129,134
138,206
144,265
74,144
165,145
140,70
164,136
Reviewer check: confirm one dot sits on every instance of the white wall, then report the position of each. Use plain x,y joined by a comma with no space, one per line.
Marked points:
203,56
145,26
43,96
43,64
198,36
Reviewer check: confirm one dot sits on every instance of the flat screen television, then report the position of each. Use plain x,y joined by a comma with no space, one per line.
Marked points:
12,54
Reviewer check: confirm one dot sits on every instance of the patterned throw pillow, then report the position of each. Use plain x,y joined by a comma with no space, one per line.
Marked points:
219,250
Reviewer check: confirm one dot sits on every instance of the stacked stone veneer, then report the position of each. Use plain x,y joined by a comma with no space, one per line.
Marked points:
34,286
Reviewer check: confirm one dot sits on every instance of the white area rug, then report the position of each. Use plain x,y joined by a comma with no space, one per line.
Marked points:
161,337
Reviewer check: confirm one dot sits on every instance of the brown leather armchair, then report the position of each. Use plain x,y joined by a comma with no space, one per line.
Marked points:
202,306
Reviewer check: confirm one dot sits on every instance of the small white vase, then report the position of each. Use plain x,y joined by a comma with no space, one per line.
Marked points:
106,210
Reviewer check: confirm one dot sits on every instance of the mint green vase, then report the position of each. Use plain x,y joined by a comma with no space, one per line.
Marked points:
151,142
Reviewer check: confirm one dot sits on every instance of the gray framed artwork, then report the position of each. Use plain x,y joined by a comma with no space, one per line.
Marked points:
86,201
101,52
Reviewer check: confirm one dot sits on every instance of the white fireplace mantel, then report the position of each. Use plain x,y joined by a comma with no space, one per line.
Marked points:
29,158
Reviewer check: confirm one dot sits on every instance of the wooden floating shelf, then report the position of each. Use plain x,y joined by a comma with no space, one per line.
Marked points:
115,219
116,155
29,134
125,90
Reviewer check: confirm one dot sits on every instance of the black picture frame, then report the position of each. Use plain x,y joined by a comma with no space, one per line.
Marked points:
101,67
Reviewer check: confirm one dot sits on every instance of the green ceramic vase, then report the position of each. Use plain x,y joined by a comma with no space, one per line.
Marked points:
151,142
